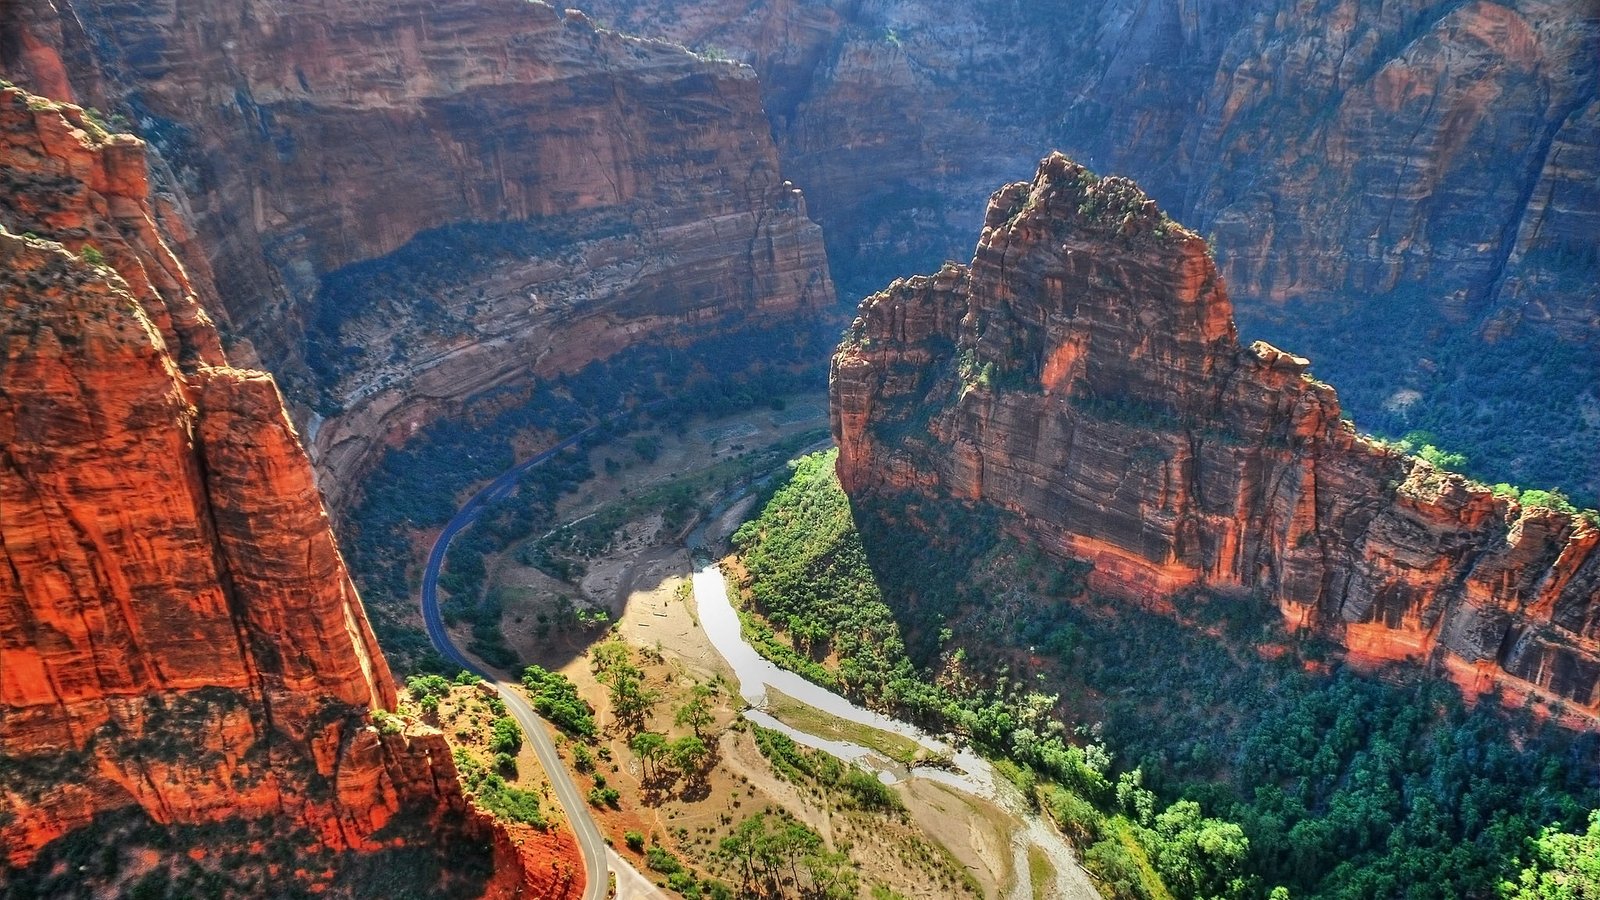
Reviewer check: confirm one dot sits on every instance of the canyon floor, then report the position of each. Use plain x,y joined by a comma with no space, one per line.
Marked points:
942,844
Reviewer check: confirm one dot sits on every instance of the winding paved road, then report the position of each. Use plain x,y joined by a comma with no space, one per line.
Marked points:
595,852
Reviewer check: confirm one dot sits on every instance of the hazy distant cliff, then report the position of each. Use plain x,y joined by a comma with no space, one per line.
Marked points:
1084,376
404,204
1405,191
178,634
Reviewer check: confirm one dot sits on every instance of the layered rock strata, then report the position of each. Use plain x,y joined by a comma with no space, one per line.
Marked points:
178,633
1084,376
614,190
1425,168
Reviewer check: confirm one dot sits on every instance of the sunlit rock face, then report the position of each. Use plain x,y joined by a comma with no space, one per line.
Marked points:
179,638
1083,375
405,204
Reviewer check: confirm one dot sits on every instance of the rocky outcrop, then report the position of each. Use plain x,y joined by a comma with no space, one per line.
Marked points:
405,204
178,633
1084,376
1422,171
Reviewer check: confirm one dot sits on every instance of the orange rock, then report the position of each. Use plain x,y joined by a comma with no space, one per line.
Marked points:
529,863
1083,375
178,633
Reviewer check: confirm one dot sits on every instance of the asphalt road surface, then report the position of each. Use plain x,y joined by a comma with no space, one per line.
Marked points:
595,853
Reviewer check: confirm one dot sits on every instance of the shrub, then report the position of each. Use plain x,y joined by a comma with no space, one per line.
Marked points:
556,698
870,793
506,736
506,764
662,860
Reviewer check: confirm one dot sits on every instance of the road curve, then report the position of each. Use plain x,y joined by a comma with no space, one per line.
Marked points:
591,844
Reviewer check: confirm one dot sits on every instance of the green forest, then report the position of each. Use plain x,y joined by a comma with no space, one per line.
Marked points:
1182,761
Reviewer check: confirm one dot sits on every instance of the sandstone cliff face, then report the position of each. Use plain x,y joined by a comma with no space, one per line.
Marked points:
178,634
1423,170
617,189
1084,376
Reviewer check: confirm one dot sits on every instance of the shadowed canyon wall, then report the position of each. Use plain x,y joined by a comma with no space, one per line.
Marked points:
1406,192
406,204
178,634
1084,376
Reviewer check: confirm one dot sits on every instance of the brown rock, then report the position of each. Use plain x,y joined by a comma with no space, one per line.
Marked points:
304,138
1427,166
1083,376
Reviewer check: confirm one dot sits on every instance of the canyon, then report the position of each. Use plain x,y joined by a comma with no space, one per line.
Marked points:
1402,191
1083,376
405,206
180,642
406,212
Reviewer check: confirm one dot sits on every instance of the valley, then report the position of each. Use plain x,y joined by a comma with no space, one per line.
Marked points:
637,583
813,449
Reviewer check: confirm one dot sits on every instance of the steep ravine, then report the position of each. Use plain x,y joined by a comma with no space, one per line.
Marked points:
1084,377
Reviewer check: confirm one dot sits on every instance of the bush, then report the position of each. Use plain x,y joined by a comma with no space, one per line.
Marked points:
493,794
634,840
506,736
870,793
556,698
1114,866
1077,817
661,860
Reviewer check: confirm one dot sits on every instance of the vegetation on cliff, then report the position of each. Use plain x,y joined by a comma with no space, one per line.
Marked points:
1278,767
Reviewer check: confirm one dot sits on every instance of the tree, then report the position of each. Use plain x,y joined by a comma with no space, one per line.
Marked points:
832,877
793,843
1565,866
740,847
649,747
688,752
506,736
614,666
1198,856
695,712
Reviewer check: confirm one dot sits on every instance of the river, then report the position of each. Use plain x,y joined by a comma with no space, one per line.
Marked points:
969,772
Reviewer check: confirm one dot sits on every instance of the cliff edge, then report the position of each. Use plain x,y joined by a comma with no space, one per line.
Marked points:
179,637
405,205
1084,376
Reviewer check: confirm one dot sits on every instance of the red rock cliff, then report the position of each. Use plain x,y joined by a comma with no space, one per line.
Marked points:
1428,168
178,634
1084,376
637,184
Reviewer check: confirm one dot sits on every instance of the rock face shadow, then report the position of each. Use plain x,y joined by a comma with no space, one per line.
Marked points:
127,854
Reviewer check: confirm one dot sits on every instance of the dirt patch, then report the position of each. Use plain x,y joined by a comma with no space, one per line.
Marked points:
976,832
